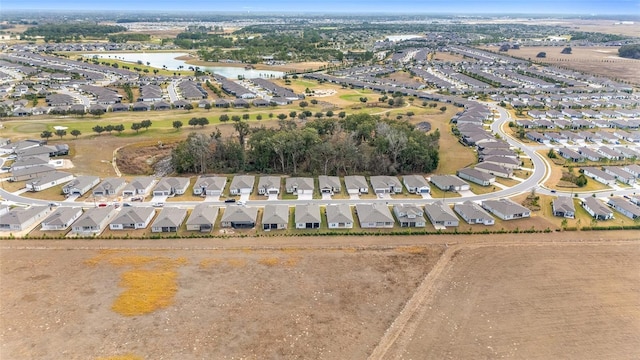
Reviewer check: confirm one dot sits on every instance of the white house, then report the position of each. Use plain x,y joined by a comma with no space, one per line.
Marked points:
473,213
49,180
416,184
339,216
506,209
61,218
132,218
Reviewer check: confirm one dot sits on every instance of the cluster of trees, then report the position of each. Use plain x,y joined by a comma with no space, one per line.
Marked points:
72,31
123,38
629,51
359,143
108,128
60,132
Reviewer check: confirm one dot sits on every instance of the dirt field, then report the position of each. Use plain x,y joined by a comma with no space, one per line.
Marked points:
322,298
529,302
602,61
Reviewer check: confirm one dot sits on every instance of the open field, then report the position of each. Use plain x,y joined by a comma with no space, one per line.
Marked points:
603,61
323,297
528,302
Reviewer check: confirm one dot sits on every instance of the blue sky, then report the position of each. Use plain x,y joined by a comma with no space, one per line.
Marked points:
590,7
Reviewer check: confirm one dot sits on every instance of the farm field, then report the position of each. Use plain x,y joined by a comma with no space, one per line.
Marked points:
602,61
323,297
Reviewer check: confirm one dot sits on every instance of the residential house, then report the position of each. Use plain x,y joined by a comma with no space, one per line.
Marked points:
329,184
476,176
416,184
93,221
473,213
441,215
307,216
589,154
409,215
241,184
562,206
27,162
48,180
169,220
269,185
620,174
625,207
299,185
537,137
61,218
109,186
599,175
80,185
506,209
339,216
275,217
627,152
31,173
202,218
356,184
449,183
374,216
570,154
504,161
633,169
494,169
20,219
209,185
132,218
383,184
239,217
139,186
609,153
169,186
597,209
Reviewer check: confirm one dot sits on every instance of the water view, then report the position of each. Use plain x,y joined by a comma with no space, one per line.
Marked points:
169,61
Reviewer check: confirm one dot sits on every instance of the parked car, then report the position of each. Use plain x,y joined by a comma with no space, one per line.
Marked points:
158,204
230,200
126,204
102,205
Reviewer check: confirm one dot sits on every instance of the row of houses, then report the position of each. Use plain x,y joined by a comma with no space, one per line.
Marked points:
563,206
584,137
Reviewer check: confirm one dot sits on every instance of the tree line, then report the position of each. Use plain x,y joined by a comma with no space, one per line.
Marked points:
356,144
74,31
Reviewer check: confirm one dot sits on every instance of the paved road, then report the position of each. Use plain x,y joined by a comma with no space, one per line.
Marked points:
81,98
171,89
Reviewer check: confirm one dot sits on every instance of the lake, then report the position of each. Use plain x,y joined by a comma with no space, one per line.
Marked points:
168,59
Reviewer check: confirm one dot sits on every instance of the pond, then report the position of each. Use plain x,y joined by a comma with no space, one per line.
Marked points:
170,61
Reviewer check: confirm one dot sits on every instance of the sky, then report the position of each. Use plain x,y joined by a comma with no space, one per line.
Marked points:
583,7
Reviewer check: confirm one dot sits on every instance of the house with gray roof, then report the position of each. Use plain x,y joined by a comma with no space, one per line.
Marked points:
449,183
339,216
441,215
61,218
307,216
597,209
562,206
275,217
329,184
620,174
570,154
383,184
506,209
373,216
202,218
93,221
476,176
625,207
494,169
299,185
242,184
409,215
169,186
109,186
416,184
31,173
269,185
209,185
139,186
132,218
31,161
356,184
504,161
239,217
19,219
609,153
48,180
599,175
80,185
589,154
627,152
633,169
473,213
169,220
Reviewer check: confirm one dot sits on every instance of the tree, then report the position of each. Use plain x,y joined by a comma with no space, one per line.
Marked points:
293,114
108,128
146,124
188,107
207,106
443,109
61,133
282,116
203,121
329,113
119,128
245,116
136,127
76,133
303,104
314,102
99,129
363,99
551,154
46,134
235,118
177,124
96,112
410,113
342,114
223,118
259,117
243,130
581,180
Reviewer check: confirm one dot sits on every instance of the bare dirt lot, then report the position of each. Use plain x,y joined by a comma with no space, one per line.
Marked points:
564,295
